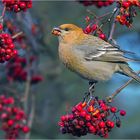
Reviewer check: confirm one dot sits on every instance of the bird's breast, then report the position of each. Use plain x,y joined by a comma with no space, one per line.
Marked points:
68,57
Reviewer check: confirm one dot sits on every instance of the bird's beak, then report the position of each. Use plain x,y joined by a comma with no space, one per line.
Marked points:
56,31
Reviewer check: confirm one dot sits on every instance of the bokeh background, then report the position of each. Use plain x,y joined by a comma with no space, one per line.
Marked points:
61,89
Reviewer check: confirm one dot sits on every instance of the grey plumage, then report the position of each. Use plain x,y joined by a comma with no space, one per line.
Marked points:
110,59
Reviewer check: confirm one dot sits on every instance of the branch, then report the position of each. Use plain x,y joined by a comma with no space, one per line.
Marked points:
16,35
110,98
27,85
3,13
115,13
31,116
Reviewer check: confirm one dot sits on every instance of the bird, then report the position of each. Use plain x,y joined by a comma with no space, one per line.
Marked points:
91,57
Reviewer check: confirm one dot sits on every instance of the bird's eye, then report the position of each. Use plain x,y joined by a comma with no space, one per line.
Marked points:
66,29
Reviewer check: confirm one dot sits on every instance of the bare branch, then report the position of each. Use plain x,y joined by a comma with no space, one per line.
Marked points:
115,13
27,84
17,35
110,98
31,116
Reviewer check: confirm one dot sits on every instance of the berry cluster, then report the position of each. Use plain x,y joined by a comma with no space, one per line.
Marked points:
94,28
127,11
12,118
7,47
94,117
17,5
16,70
97,3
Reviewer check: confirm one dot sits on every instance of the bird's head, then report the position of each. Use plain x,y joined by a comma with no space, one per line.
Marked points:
67,32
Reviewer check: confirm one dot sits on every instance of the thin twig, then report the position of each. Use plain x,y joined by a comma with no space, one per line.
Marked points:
11,90
31,116
98,17
16,35
110,98
115,13
3,12
27,85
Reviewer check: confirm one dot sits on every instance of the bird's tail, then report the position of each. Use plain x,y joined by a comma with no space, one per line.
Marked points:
126,70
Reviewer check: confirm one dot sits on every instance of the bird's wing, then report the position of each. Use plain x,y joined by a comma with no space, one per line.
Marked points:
103,51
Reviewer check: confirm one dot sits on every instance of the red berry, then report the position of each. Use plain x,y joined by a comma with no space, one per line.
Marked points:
79,107
88,117
10,122
61,124
88,124
63,118
83,113
11,46
7,57
8,51
122,112
92,129
4,116
90,109
1,27
113,109
25,129
102,36
101,124
111,124
15,52
2,51
94,27
126,4
9,41
22,5
88,29
81,123
108,123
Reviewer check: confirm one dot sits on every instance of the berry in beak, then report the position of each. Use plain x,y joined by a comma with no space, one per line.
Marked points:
56,31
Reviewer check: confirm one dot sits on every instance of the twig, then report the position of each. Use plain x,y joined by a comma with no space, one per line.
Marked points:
3,13
16,35
110,98
11,90
115,13
98,17
31,116
27,85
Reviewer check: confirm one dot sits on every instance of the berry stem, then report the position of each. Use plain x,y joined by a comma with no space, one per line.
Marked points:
110,98
16,35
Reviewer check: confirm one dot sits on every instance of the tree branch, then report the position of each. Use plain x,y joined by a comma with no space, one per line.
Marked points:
31,116
27,85
115,13
110,98
16,35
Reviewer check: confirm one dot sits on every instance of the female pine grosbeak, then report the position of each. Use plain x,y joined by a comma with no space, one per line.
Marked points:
89,56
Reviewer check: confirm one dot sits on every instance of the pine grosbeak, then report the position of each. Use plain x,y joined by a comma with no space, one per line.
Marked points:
89,56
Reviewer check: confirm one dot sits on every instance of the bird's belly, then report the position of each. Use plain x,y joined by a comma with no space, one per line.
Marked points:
92,70
96,70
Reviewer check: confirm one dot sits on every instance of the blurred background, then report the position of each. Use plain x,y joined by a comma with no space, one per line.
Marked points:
61,89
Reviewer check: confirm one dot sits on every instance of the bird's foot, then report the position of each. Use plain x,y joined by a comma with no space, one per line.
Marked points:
91,90
109,99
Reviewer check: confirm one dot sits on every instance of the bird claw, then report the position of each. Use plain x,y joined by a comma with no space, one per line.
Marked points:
109,99
91,88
